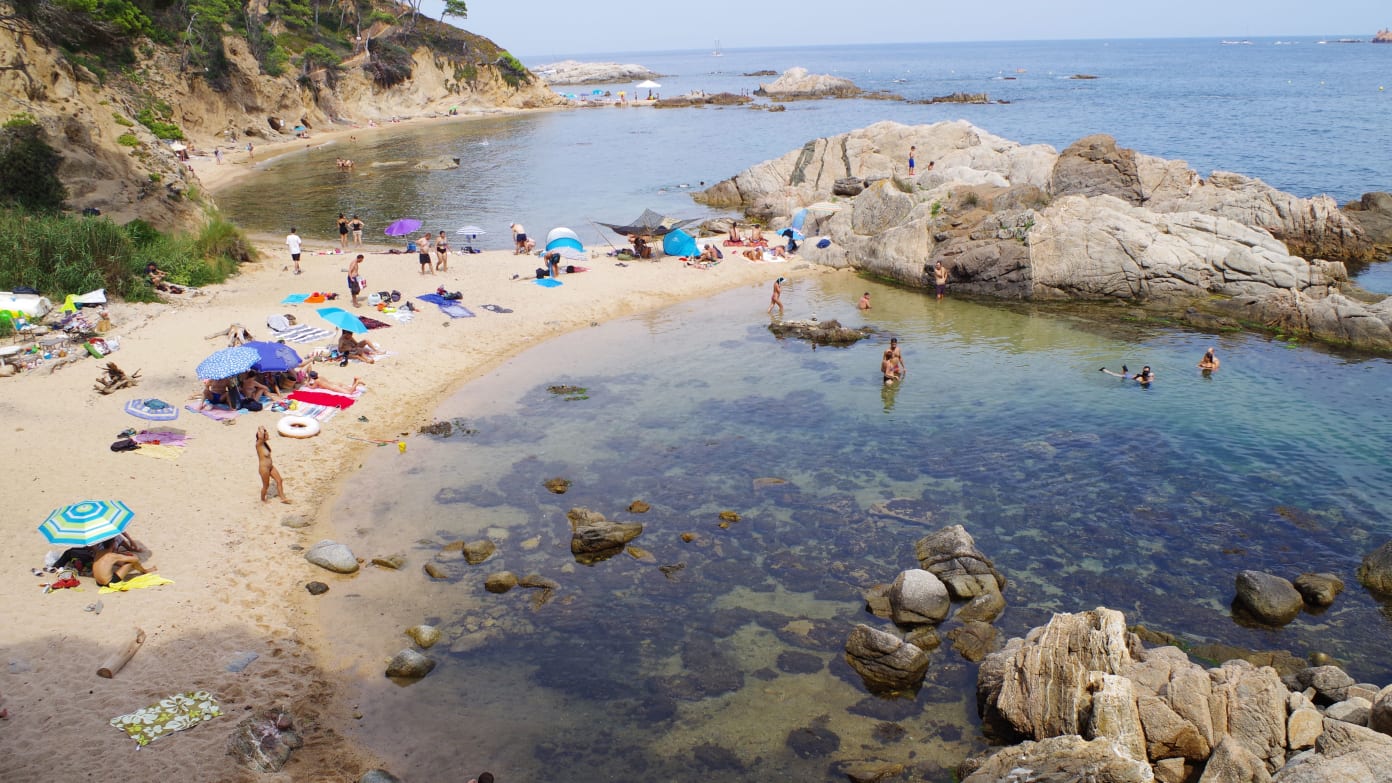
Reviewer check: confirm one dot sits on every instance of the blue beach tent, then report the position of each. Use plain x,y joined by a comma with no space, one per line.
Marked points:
679,243
561,238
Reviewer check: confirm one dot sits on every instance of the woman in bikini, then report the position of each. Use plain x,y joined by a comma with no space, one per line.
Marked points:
342,231
442,253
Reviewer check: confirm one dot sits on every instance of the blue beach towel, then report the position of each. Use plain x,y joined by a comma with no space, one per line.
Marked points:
294,299
548,282
447,306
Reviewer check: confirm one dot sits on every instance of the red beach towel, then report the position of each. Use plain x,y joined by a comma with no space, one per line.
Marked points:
318,397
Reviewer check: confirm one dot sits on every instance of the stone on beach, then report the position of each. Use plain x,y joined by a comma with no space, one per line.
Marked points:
424,635
332,556
409,665
264,740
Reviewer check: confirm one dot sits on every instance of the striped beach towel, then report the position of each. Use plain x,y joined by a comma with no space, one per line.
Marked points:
304,333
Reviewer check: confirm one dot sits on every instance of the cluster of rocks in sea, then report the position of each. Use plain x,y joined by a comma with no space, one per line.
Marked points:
1085,699
577,72
1095,222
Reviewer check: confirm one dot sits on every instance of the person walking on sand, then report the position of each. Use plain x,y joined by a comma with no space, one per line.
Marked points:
294,242
217,155
864,303
356,226
777,299
441,253
355,282
940,278
342,232
912,151
1209,362
423,254
251,151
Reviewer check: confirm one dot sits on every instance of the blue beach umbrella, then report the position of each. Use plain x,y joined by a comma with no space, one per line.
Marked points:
86,523
402,227
273,357
343,319
227,363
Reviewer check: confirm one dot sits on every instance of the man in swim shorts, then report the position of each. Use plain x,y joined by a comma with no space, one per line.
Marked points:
519,239
113,566
354,287
940,278
423,254
293,242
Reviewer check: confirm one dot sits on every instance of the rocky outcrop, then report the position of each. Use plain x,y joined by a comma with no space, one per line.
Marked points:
577,72
1373,214
820,332
951,555
798,84
1096,222
1068,758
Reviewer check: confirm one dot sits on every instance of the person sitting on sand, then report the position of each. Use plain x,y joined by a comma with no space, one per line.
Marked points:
1209,362
253,389
735,235
641,248
316,382
155,274
216,392
350,347
114,566
757,237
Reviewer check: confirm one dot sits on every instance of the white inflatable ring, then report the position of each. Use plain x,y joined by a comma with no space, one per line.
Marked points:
298,427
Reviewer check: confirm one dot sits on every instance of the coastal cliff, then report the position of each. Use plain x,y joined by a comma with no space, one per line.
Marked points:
1094,223
116,117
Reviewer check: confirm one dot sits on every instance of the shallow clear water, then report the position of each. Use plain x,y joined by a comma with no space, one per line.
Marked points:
1086,492
1305,118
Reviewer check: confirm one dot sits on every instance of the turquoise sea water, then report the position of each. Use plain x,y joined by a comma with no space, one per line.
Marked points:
720,658
1086,491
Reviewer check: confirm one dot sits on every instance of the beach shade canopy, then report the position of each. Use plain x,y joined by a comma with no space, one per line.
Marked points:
648,224
647,85
402,227
274,357
679,243
563,238
86,523
343,319
227,363
471,231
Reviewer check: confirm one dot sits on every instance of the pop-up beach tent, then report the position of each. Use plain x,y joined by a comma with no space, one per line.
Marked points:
563,238
679,243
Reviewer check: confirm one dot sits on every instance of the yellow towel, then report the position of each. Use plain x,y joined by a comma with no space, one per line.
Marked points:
135,583
159,451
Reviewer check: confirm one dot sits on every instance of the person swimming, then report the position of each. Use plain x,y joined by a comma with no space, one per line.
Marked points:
1124,374
1209,362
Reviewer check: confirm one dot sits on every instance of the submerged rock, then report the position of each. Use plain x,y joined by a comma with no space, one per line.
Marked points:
885,662
500,582
476,552
594,538
1268,598
820,332
409,665
424,635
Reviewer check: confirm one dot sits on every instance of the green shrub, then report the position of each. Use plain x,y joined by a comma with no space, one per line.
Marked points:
512,70
128,140
30,165
121,120
390,65
378,15
971,199
155,118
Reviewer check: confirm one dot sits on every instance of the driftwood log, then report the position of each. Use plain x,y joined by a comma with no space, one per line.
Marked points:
115,379
118,660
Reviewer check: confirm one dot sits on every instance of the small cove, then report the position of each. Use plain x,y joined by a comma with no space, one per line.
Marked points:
1084,490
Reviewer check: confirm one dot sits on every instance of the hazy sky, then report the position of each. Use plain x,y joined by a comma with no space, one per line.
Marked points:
531,28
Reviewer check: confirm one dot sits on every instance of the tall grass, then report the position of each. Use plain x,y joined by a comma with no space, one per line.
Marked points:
59,255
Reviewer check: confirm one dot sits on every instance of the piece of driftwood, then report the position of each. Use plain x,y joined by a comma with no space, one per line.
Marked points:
115,379
118,660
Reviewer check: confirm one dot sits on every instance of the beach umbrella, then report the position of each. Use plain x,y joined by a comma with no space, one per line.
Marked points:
342,319
86,523
227,363
648,85
274,357
402,227
471,230
562,238
793,234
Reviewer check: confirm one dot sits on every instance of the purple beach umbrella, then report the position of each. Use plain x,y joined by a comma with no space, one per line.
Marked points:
402,227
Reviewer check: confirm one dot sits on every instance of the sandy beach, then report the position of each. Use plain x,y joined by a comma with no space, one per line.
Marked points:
236,563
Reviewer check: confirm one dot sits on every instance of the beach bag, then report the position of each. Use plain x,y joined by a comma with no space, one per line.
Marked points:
540,273
252,405
824,243
125,444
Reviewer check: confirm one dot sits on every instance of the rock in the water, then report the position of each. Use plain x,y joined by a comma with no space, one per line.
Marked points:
264,740
985,607
409,665
1376,571
378,776
441,163
1319,589
1331,683
476,552
1268,598
424,635
884,661
638,507
1065,758
594,538
435,572
316,588
918,597
500,582
557,486
576,72
973,640
820,332
810,742
951,555
333,556
797,83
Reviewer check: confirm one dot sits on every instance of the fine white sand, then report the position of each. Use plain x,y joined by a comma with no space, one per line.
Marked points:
238,570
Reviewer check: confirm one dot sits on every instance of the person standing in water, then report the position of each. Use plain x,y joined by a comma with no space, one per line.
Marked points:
898,357
777,299
864,303
940,278
1209,362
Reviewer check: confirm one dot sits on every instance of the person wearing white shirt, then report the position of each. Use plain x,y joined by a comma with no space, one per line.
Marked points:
293,242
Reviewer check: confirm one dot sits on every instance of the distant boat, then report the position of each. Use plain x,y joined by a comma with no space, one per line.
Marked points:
716,51
1236,43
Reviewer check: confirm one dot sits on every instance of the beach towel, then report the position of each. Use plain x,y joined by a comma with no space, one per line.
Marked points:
175,713
160,451
294,299
320,413
216,414
372,323
164,437
161,410
321,397
447,306
497,309
139,582
403,316
304,333
548,282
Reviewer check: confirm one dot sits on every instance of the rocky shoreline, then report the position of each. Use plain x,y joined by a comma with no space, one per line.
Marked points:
1093,223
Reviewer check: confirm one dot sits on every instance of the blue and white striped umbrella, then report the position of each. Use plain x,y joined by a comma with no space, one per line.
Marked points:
86,523
227,363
